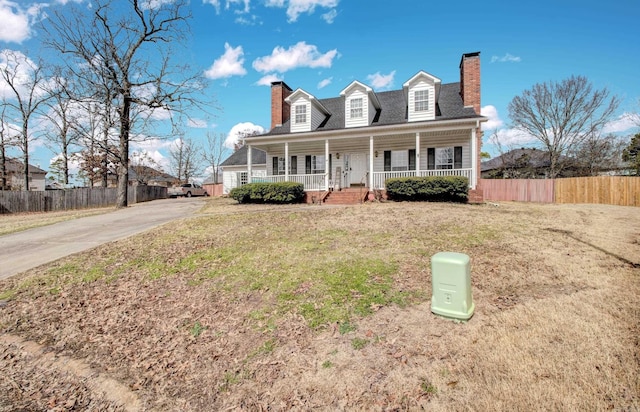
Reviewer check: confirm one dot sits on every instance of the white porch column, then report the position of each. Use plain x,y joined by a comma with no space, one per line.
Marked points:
417,152
474,159
249,163
326,164
286,161
371,163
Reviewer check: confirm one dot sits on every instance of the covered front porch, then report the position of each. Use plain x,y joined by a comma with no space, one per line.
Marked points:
340,161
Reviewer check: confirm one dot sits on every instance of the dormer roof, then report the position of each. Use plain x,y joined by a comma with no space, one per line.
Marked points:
307,96
422,76
370,93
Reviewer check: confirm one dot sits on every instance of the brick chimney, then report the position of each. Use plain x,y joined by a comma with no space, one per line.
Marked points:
470,80
280,110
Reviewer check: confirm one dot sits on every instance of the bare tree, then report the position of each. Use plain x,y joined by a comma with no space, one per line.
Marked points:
63,135
214,153
597,154
27,83
128,44
562,116
7,140
185,159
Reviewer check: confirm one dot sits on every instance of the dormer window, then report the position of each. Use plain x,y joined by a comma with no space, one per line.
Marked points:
421,100
356,108
301,113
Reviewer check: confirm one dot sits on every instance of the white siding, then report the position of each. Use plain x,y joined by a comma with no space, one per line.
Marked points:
230,176
317,117
300,127
429,114
357,93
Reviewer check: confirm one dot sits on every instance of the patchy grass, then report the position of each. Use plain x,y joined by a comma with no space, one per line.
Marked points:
305,307
18,222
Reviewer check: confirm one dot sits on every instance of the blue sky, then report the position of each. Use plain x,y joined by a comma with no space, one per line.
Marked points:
323,45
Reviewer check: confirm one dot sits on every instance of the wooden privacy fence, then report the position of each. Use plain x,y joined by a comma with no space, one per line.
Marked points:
611,190
518,190
56,200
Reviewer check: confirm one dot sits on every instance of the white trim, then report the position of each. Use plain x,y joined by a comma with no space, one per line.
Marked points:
326,164
418,151
249,165
370,162
286,160
474,159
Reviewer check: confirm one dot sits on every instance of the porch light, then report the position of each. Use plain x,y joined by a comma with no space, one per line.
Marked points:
337,155
375,153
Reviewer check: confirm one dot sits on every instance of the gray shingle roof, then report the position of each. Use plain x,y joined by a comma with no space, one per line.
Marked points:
239,157
393,109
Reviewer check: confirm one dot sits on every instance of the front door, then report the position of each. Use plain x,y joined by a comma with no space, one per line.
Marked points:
355,165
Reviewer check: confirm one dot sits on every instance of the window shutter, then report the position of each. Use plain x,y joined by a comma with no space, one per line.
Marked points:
274,165
457,157
293,166
307,164
330,166
412,159
431,158
387,160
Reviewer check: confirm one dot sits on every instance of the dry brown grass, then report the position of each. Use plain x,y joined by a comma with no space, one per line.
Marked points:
22,221
212,318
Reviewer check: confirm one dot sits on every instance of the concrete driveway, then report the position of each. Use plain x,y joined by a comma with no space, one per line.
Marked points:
31,248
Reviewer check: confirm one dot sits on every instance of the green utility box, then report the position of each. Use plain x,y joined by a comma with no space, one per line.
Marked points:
451,285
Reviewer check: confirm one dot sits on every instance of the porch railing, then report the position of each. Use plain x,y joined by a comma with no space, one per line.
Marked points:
380,177
310,182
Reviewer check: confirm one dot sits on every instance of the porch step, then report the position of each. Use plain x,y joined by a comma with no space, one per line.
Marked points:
350,196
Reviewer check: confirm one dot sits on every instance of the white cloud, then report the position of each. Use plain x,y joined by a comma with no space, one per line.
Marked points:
330,16
21,67
325,82
624,122
299,55
245,9
494,122
296,7
507,58
214,3
268,79
63,2
154,4
381,81
17,21
197,123
227,65
240,130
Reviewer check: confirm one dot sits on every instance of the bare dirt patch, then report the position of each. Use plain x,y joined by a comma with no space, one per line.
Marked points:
252,308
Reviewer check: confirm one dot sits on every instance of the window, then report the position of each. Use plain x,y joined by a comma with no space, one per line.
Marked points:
278,165
301,113
314,164
444,158
356,108
243,178
399,160
421,100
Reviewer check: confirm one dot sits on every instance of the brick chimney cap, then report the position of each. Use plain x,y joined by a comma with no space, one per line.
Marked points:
281,83
467,55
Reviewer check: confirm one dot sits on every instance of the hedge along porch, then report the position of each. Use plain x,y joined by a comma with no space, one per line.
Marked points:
364,137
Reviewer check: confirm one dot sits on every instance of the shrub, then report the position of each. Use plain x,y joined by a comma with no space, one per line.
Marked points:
429,188
285,192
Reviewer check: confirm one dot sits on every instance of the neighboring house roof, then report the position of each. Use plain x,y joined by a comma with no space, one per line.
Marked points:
151,174
533,158
15,166
393,110
239,157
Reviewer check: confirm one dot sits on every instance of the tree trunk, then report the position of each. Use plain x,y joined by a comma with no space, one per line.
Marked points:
26,158
123,165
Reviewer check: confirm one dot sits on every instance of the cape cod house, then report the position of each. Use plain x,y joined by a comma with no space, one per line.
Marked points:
362,137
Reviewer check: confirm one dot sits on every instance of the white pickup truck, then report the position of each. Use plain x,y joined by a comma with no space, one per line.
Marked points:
187,190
